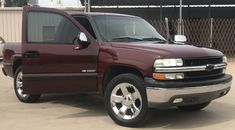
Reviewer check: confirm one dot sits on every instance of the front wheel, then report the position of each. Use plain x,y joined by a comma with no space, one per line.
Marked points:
18,87
196,107
126,100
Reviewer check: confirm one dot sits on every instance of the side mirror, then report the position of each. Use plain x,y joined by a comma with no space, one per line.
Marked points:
1,40
180,38
82,39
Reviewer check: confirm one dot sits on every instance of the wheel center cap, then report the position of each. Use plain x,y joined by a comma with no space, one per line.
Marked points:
128,100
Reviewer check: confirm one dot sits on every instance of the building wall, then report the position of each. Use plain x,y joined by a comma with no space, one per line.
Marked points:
11,22
56,3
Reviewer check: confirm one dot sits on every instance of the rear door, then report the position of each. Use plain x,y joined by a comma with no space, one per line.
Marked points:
52,60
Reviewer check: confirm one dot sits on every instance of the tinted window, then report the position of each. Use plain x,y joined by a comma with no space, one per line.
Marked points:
114,28
50,28
86,24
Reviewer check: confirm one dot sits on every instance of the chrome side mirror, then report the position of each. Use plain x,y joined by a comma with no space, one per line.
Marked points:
82,39
180,38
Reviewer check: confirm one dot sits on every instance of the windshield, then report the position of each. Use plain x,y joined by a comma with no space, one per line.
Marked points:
125,29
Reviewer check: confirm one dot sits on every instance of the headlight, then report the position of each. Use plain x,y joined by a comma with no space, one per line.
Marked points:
168,62
225,59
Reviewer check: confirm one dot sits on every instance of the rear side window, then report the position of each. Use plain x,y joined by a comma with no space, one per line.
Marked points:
50,28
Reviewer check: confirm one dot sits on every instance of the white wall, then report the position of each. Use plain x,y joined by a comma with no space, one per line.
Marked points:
60,3
10,24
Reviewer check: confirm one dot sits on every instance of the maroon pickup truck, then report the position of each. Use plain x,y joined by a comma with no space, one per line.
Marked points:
120,57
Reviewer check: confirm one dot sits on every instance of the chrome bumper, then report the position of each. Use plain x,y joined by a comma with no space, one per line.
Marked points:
170,95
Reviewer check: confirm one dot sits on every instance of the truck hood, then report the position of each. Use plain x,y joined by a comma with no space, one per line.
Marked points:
163,50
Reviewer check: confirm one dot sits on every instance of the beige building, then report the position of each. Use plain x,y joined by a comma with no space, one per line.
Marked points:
11,22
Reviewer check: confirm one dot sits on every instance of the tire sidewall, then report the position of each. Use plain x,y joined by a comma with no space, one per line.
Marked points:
28,99
139,84
19,69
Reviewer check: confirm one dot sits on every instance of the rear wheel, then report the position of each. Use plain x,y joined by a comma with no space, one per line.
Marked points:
126,100
196,107
18,87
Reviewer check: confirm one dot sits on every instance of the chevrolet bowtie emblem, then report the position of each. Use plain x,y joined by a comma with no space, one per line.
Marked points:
209,67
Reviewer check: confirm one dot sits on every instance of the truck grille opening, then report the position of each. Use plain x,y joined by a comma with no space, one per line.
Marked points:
202,61
203,74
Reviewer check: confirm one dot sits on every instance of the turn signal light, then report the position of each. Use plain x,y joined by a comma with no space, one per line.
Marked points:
159,76
168,76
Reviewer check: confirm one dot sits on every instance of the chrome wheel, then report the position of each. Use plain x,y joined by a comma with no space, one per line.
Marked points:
126,101
19,85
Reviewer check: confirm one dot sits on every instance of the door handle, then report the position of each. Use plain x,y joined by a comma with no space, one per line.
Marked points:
31,54
76,48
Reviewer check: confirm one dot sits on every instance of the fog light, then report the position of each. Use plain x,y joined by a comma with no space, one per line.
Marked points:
178,100
168,76
179,76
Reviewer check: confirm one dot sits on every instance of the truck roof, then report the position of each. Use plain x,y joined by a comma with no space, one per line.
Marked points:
101,14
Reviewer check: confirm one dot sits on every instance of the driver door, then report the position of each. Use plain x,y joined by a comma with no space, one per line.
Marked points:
52,61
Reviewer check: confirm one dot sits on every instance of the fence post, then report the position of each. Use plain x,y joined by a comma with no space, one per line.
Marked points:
180,18
182,24
167,29
178,26
211,32
87,5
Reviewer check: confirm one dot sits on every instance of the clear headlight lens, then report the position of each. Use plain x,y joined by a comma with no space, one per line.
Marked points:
225,59
168,62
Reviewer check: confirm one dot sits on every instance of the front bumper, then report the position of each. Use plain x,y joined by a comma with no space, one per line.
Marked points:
197,92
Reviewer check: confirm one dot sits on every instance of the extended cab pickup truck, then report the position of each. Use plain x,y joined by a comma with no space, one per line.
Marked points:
120,57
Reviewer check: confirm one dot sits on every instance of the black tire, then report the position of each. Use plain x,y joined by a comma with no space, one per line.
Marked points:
138,83
193,108
28,98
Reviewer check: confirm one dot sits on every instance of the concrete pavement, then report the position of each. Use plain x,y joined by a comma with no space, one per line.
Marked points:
84,112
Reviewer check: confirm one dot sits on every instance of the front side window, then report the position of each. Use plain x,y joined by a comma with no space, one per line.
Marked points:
50,28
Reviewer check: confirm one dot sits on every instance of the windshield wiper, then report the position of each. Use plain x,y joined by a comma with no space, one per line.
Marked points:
154,39
125,39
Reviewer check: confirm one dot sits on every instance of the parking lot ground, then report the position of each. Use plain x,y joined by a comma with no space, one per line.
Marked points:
87,112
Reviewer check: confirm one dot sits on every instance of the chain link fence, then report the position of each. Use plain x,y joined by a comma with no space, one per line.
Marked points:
211,33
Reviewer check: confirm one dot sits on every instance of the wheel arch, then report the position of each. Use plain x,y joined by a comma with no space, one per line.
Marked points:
16,64
113,71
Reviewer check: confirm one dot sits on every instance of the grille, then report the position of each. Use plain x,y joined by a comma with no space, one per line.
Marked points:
201,62
204,61
203,74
